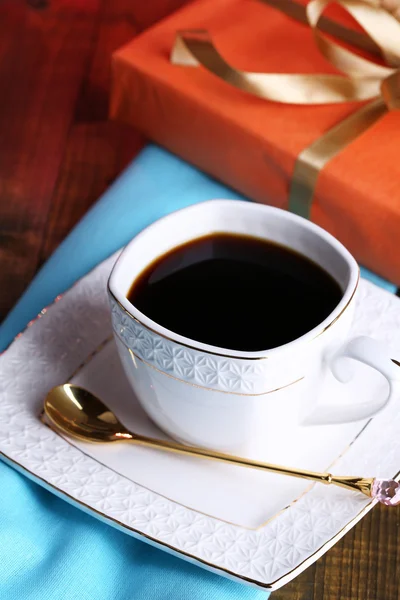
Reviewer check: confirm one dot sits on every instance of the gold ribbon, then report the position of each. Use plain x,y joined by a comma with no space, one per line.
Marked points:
362,80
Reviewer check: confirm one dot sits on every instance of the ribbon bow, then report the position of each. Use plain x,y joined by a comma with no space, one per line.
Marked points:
363,80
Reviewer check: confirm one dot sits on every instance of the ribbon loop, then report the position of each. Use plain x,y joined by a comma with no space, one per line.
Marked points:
195,47
363,80
346,61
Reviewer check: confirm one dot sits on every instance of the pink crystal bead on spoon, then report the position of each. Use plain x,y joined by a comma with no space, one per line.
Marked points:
386,491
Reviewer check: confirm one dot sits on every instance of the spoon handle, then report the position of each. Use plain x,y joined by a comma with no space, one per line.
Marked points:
359,484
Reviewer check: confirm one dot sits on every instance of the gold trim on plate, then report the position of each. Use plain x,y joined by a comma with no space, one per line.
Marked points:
119,525
89,357
269,586
87,360
43,418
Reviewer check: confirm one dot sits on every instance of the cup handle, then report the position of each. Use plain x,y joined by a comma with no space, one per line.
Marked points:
371,353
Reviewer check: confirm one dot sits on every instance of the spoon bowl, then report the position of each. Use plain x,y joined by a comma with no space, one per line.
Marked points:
79,413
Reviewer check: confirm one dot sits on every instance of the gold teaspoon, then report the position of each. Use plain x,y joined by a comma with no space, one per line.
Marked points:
80,414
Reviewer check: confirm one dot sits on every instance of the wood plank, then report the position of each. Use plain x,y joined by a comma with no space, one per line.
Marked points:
43,60
96,149
95,154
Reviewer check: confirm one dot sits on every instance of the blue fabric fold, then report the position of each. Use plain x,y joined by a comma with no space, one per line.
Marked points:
50,550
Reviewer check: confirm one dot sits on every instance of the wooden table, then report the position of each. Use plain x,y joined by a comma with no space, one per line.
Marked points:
58,153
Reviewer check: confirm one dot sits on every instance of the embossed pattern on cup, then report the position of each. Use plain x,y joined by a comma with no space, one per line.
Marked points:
188,364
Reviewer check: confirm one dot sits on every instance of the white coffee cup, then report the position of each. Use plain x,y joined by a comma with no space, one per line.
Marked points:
210,396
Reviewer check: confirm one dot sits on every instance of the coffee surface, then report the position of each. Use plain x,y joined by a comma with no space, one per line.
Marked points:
236,292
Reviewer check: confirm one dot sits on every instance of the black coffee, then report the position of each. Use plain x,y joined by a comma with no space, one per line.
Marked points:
235,292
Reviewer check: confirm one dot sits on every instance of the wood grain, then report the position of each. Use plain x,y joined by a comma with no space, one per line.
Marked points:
58,153
364,565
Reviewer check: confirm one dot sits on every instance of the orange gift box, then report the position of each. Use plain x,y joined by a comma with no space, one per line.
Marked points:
251,143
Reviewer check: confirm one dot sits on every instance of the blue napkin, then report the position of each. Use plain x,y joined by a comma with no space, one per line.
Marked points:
50,550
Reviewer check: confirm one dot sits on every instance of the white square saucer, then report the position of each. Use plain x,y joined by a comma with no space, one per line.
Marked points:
260,528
